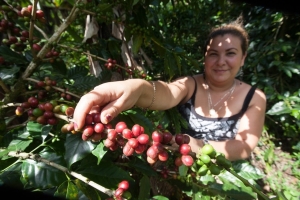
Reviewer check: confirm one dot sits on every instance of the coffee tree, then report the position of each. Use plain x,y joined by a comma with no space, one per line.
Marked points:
51,53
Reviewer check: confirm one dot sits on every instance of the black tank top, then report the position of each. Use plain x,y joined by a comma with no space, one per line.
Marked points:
216,129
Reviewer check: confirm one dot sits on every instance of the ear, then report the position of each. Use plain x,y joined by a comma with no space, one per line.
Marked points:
243,59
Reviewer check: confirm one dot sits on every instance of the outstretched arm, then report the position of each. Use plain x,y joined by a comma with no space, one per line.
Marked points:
114,97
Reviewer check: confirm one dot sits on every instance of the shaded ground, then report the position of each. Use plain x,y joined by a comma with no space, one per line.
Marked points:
279,167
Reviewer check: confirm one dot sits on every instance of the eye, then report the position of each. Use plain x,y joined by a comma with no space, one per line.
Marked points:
231,53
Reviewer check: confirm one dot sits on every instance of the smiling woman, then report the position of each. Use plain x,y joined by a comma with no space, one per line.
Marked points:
220,109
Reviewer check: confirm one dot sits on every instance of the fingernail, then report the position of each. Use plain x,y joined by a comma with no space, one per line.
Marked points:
75,127
108,117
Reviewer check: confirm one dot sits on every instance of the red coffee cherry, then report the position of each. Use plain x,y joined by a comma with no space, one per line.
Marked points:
184,149
157,136
187,160
163,155
98,127
127,133
120,126
133,142
137,130
143,138
112,134
128,150
152,153
88,130
124,185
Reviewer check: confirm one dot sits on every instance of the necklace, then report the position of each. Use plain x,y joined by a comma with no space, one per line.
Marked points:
212,110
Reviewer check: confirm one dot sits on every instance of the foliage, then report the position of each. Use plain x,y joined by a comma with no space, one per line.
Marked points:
167,40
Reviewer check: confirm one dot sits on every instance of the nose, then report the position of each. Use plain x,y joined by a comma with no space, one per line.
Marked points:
221,60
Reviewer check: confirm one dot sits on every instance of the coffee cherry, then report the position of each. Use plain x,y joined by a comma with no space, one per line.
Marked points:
48,106
152,153
128,150
143,138
88,130
120,126
69,111
52,121
178,162
96,117
137,130
109,143
187,160
37,112
127,133
140,148
205,158
41,120
208,150
133,143
179,139
163,155
184,149
167,137
19,111
98,128
124,185
157,136
64,128
119,192
112,134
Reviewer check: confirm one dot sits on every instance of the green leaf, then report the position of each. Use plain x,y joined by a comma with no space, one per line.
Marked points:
183,170
278,109
34,127
85,83
145,186
76,148
67,190
11,176
158,197
41,175
99,152
77,73
11,56
8,75
106,174
142,167
59,67
246,170
19,143
137,41
89,191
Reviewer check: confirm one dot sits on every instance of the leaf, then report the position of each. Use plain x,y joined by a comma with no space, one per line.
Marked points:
99,151
11,176
246,170
89,191
67,190
11,56
85,83
158,197
18,143
76,148
144,192
137,41
8,75
142,167
77,72
41,175
183,170
278,109
106,174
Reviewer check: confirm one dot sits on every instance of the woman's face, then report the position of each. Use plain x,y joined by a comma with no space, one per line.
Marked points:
223,58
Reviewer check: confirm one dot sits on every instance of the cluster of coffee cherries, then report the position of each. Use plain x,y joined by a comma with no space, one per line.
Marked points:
41,112
110,63
184,149
27,11
121,191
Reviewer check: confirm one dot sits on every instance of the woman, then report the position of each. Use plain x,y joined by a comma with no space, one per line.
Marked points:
221,110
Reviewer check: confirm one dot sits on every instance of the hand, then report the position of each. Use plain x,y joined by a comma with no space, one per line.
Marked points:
109,99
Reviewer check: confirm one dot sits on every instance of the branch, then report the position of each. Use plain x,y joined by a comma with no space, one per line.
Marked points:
54,38
38,158
56,88
4,87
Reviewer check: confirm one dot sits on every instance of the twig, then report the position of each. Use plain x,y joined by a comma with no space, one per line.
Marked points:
4,87
11,105
38,158
54,87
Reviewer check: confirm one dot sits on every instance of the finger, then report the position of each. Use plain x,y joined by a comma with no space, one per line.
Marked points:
114,108
86,103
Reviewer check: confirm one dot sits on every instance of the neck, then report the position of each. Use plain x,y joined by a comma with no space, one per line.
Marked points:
218,87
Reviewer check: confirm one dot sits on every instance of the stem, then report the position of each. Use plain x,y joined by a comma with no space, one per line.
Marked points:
246,182
38,158
56,88
4,87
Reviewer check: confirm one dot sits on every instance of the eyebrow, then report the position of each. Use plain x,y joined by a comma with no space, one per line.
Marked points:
210,49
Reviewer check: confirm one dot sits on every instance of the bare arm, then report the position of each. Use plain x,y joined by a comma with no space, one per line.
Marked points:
115,97
250,129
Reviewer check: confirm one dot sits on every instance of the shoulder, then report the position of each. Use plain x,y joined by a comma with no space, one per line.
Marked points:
259,98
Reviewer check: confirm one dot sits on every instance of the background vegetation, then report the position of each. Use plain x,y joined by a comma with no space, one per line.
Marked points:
150,40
